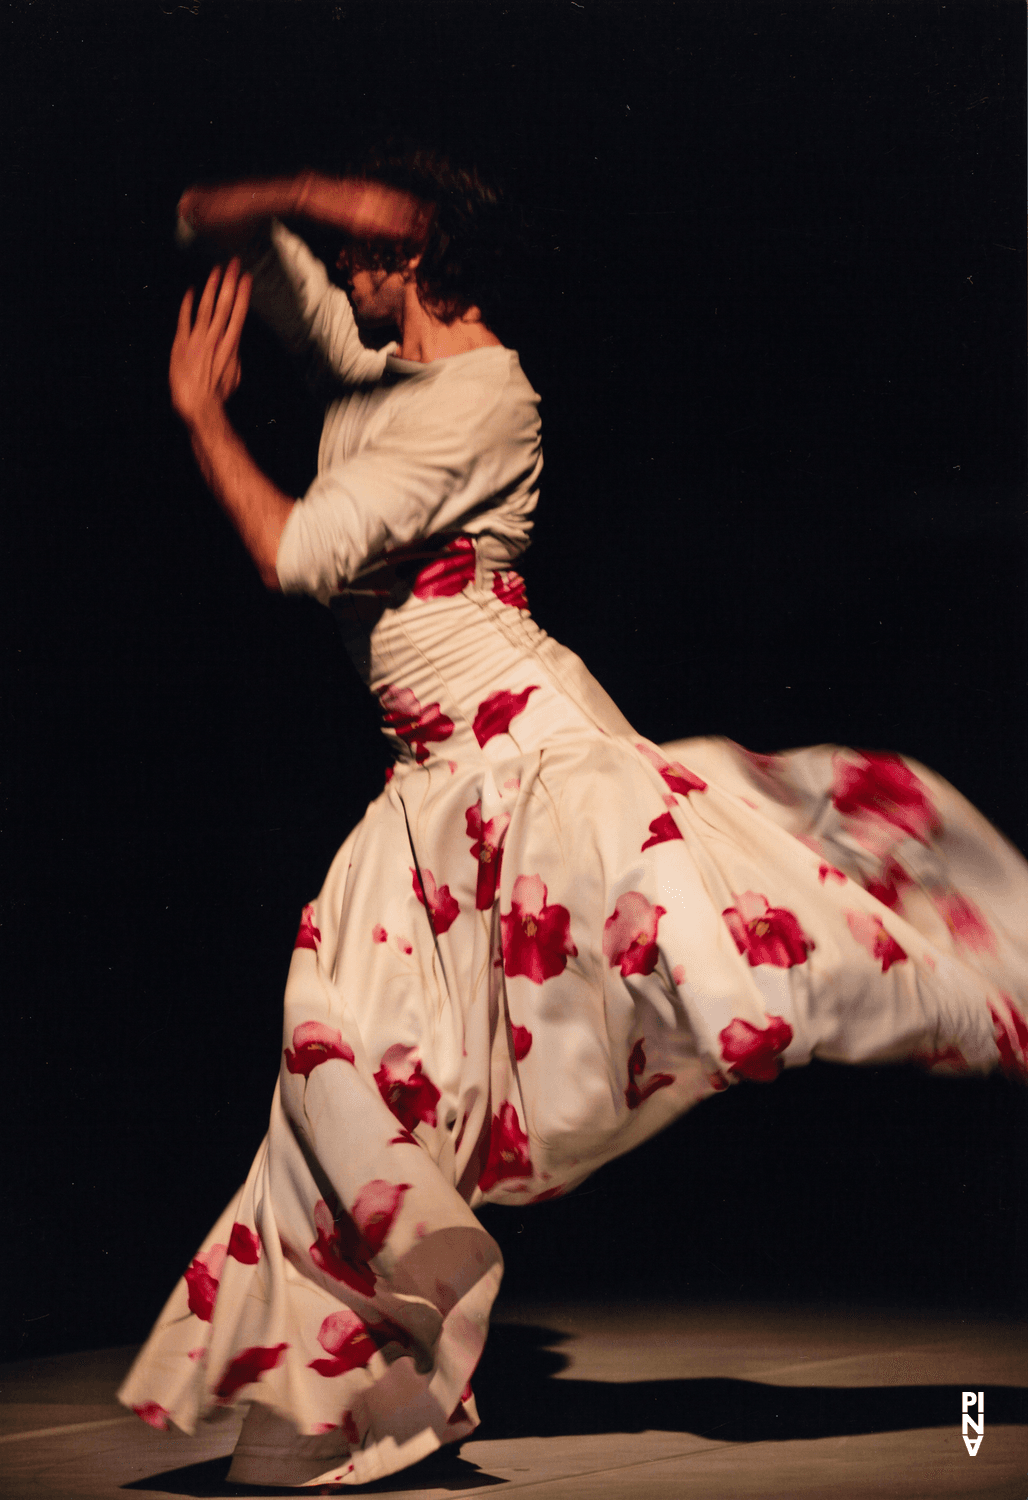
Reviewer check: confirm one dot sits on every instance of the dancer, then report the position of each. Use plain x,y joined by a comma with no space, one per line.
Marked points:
548,937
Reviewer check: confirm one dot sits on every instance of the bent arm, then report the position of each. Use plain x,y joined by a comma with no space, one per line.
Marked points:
365,210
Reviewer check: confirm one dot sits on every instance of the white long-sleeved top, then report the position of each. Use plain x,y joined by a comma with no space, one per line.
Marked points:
408,450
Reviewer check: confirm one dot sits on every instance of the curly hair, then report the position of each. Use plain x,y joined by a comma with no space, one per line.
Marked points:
465,261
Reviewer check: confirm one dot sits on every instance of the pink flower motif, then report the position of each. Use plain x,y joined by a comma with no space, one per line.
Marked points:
882,786
199,1353
887,889
409,1094
450,573
378,933
244,1245
495,713
343,1336
870,934
677,777
308,935
678,973
418,726
202,1280
754,1054
509,588
247,1368
826,872
316,1044
508,1150
536,937
630,935
766,934
153,1415
1011,1035
345,1246
965,922
662,831
522,1039
440,905
487,848
634,1095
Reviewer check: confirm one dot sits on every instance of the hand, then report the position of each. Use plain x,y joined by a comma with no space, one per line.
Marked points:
205,369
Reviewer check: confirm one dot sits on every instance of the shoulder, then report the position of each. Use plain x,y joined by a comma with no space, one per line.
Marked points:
485,391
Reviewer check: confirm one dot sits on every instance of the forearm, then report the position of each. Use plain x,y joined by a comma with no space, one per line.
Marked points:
256,507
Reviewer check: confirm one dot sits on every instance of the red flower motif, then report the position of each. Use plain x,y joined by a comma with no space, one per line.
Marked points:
247,1368
308,935
509,588
965,922
634,1095
440,905
887,889
378,933
508,1150
882,786
344,1336
487,848
202,1280
153,1415
350,1430
662,831
766,934
870,934
630,934
536,937
522,1039
418,726
495,713
450,573
408,1093
678,778
316,1044
754,1054
345,1246
244,1245
1011,1035
827,872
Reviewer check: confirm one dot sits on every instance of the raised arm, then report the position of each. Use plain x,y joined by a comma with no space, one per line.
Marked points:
231,212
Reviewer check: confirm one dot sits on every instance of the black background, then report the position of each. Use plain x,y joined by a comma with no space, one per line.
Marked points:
776,315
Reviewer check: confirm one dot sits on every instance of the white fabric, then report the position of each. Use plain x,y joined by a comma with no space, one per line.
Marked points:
546,939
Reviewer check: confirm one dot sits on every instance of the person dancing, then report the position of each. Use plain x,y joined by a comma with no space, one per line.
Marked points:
547,938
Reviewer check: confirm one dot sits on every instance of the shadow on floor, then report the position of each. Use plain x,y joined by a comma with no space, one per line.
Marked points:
519,1398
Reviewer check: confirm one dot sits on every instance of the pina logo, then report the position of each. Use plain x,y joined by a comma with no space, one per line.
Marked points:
967,1400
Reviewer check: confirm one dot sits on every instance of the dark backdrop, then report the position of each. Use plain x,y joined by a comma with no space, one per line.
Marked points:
776,314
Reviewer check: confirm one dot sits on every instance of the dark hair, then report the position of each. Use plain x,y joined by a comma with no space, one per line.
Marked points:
467,258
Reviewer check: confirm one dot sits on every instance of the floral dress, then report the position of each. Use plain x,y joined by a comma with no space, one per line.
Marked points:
547,939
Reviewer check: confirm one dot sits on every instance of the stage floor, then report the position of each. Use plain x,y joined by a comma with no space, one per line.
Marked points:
626,1400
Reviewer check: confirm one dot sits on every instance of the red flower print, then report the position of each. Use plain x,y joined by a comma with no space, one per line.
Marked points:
766,934
678,778
754,1054
244,1245
630,934
438,902
1011,1033
315,1044
450,573
882,786
487,848
536,937
495,713
662,831
887,889
509,588
351,1430
522,1039
965,922
870,934
344,1336
378,933
716,1082
408,1093
153,1415
247,1368
308,935
827,872
345,1246
418,726
202,1279
508,1150
634,1095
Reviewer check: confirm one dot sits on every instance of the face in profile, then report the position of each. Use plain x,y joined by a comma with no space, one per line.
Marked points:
375,279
